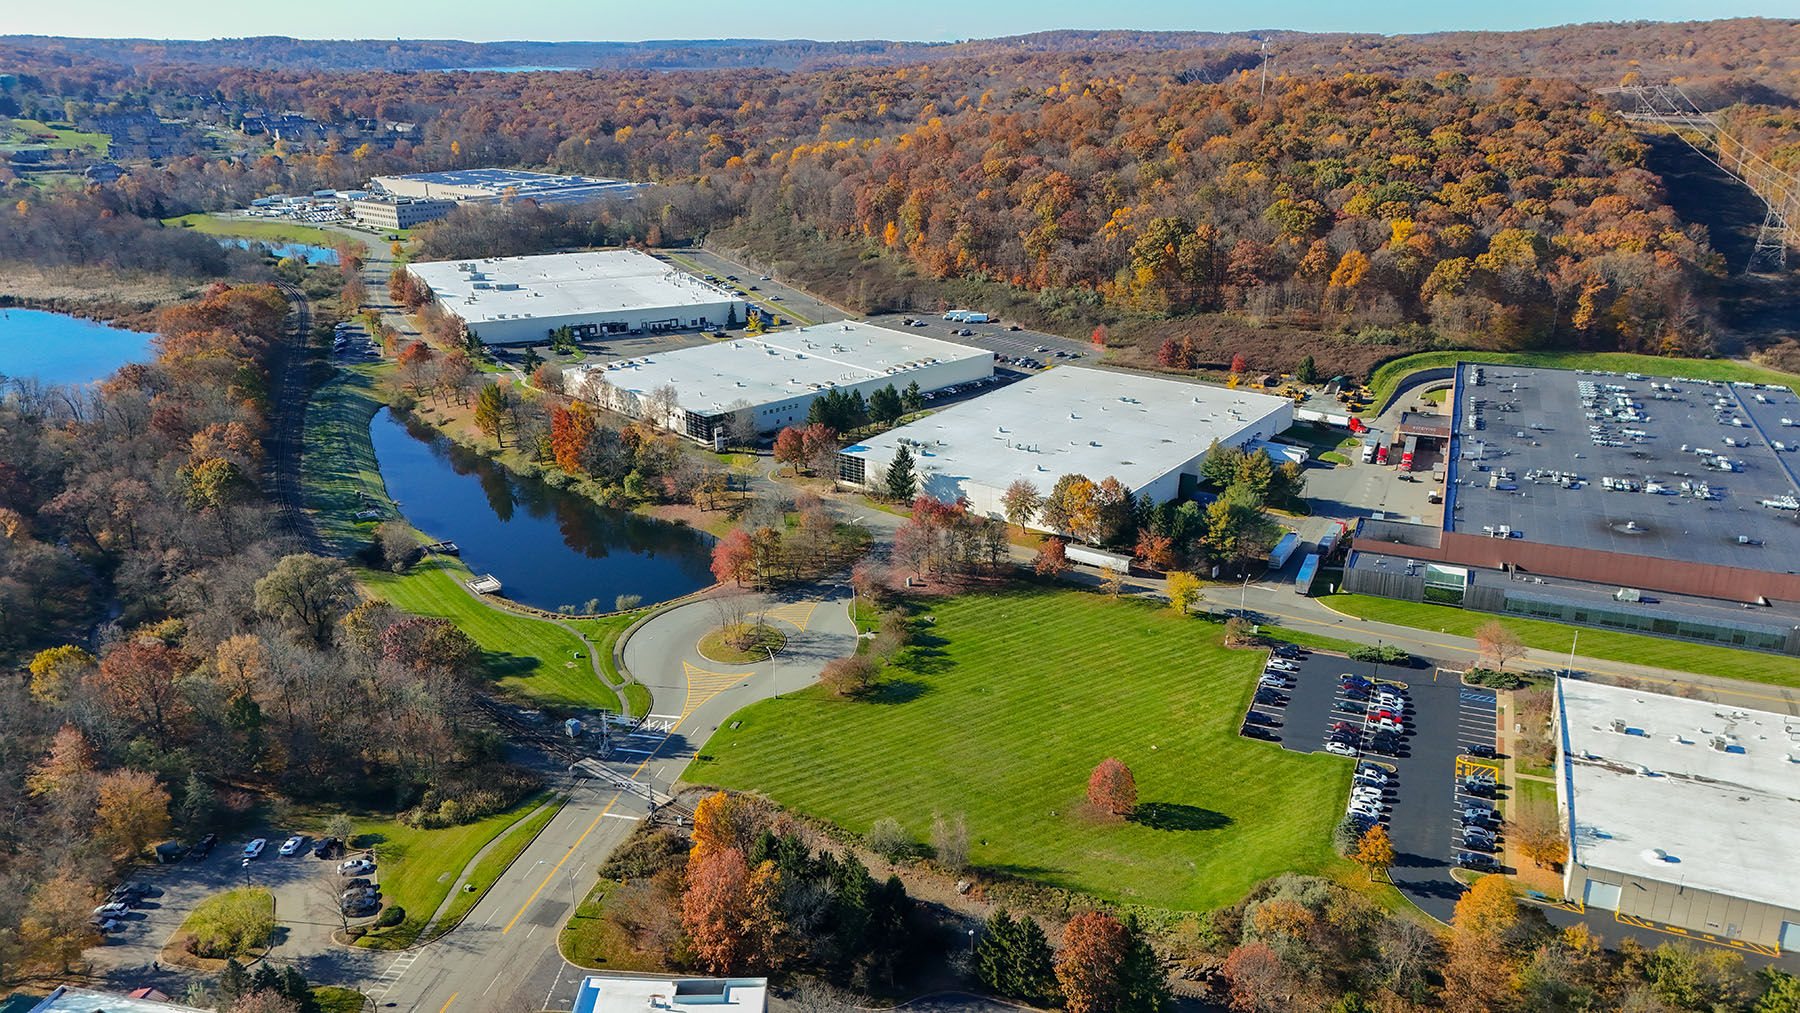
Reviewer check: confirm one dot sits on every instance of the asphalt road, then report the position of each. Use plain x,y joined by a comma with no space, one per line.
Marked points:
791,304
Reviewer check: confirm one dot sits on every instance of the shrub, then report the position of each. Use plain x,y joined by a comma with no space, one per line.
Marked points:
391,916
889,839
231,924
850,676
1494,680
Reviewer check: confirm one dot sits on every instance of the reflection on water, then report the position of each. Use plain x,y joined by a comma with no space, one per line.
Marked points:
56,348
548,547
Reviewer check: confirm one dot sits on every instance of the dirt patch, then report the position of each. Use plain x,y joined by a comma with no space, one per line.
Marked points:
126,300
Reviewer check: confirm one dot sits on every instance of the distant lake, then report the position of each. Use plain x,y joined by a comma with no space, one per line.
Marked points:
57,348
306,251
547,546
511,70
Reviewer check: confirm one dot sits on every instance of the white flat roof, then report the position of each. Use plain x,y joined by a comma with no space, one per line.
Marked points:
562,285
1728,820
606,994
774,367
83,1000
1074,420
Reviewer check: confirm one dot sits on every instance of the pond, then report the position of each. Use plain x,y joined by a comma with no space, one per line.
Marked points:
305,251
57,348
548,547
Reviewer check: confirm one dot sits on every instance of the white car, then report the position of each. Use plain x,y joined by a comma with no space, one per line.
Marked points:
1282,665
1340,748
355,867
255,848
111,910
292,845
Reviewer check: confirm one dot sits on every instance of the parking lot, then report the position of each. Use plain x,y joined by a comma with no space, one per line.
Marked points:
305,889
1420,798
998,337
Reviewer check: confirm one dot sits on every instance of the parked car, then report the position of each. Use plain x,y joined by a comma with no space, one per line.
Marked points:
203,847
103,924
1270,698
1259,732
355,867
1343,726
112,909
365,891
362,906
1485,752
130,893
1340,748
1477,861
1281,665
1259,718
293,845
327,847
255,848
1285,651
1349,679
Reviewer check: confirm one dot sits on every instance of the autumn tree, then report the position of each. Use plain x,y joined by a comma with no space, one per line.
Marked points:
1261,981
1375,850
724,822
1052,558
139,681
1487,909
1107,967
1021,502
1184,591
716,909
1540,835
819,445
56,671
734,558
570,430
422,643
1498,642
305,593
1112,789
493,411
131,810
1099,336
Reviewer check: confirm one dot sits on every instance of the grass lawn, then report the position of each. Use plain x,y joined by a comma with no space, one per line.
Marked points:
758,642
338,473
233,918
495,862
1606,645
1388,375
1032,688
247,228
30,133
1532,795
589,940
529,657
418,867
336,999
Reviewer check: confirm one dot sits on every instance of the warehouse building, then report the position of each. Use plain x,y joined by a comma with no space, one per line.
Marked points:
1681,813
492,186
1654,504
771,381
399,212
513,300
1149,433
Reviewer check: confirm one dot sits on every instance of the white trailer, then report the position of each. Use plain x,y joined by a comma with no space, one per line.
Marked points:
1098,557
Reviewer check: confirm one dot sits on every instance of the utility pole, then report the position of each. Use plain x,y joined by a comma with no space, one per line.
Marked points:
1262,94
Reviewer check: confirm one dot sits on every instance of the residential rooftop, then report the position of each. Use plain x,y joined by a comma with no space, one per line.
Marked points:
1694,466
774,367
562,285
1683,791
1075,420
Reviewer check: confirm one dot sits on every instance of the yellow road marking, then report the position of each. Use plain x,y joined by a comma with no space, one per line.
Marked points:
448,1001
1705,937
1477,654
703,685
797,614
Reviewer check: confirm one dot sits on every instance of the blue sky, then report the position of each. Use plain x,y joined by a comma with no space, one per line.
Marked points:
928,20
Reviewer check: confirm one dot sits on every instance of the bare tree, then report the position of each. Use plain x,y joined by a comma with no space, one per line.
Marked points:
950,839
740,423
660,404
1500,643
732,611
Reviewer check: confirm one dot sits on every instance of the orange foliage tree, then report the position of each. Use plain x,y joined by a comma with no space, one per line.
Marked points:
1112,788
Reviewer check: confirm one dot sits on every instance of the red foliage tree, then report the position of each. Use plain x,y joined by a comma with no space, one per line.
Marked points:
1099,336
790,446
716,910
570,430
139,682
1169,355
1239,363
1094,949
734,558
1052,558
819,447
1112,788
420,643
1260,982
415,353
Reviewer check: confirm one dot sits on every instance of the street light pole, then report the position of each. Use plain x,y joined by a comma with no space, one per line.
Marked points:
1575,640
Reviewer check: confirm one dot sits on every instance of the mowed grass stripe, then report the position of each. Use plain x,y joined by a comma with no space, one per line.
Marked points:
1002,710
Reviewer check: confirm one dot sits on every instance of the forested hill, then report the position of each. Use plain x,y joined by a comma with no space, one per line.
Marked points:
1753,59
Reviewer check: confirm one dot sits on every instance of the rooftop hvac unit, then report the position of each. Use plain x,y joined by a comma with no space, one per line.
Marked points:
1717,743
1618,726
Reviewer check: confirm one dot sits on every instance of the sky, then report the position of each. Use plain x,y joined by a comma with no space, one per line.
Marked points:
916,20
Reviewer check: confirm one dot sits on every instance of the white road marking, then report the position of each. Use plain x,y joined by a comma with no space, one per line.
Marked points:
621,816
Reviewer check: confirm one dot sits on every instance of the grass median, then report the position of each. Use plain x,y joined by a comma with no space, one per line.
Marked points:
417,867
1000,711
1389,374
492,865
267,231
1604,645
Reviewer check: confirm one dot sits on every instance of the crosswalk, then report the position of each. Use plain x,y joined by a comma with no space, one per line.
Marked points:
384,983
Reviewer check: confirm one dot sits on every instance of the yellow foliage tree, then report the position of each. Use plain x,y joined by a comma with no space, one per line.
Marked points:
56,670
132,810
1375,850
1487,909
723,823
1184,591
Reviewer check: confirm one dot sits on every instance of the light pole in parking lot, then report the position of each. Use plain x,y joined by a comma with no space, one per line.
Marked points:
246,864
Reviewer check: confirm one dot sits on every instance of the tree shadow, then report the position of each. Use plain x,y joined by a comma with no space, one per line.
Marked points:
897,691
505,665
1175,816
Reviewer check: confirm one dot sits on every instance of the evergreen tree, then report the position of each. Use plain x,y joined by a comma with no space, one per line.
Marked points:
1014,958
902,483
294,987
234,983
914,398
532,359
885,406
1143,985
266,979
1307,371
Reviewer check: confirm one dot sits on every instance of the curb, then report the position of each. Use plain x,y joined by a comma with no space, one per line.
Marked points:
432,927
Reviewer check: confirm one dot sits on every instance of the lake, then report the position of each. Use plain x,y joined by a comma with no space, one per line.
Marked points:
548,547
305,251
57,348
